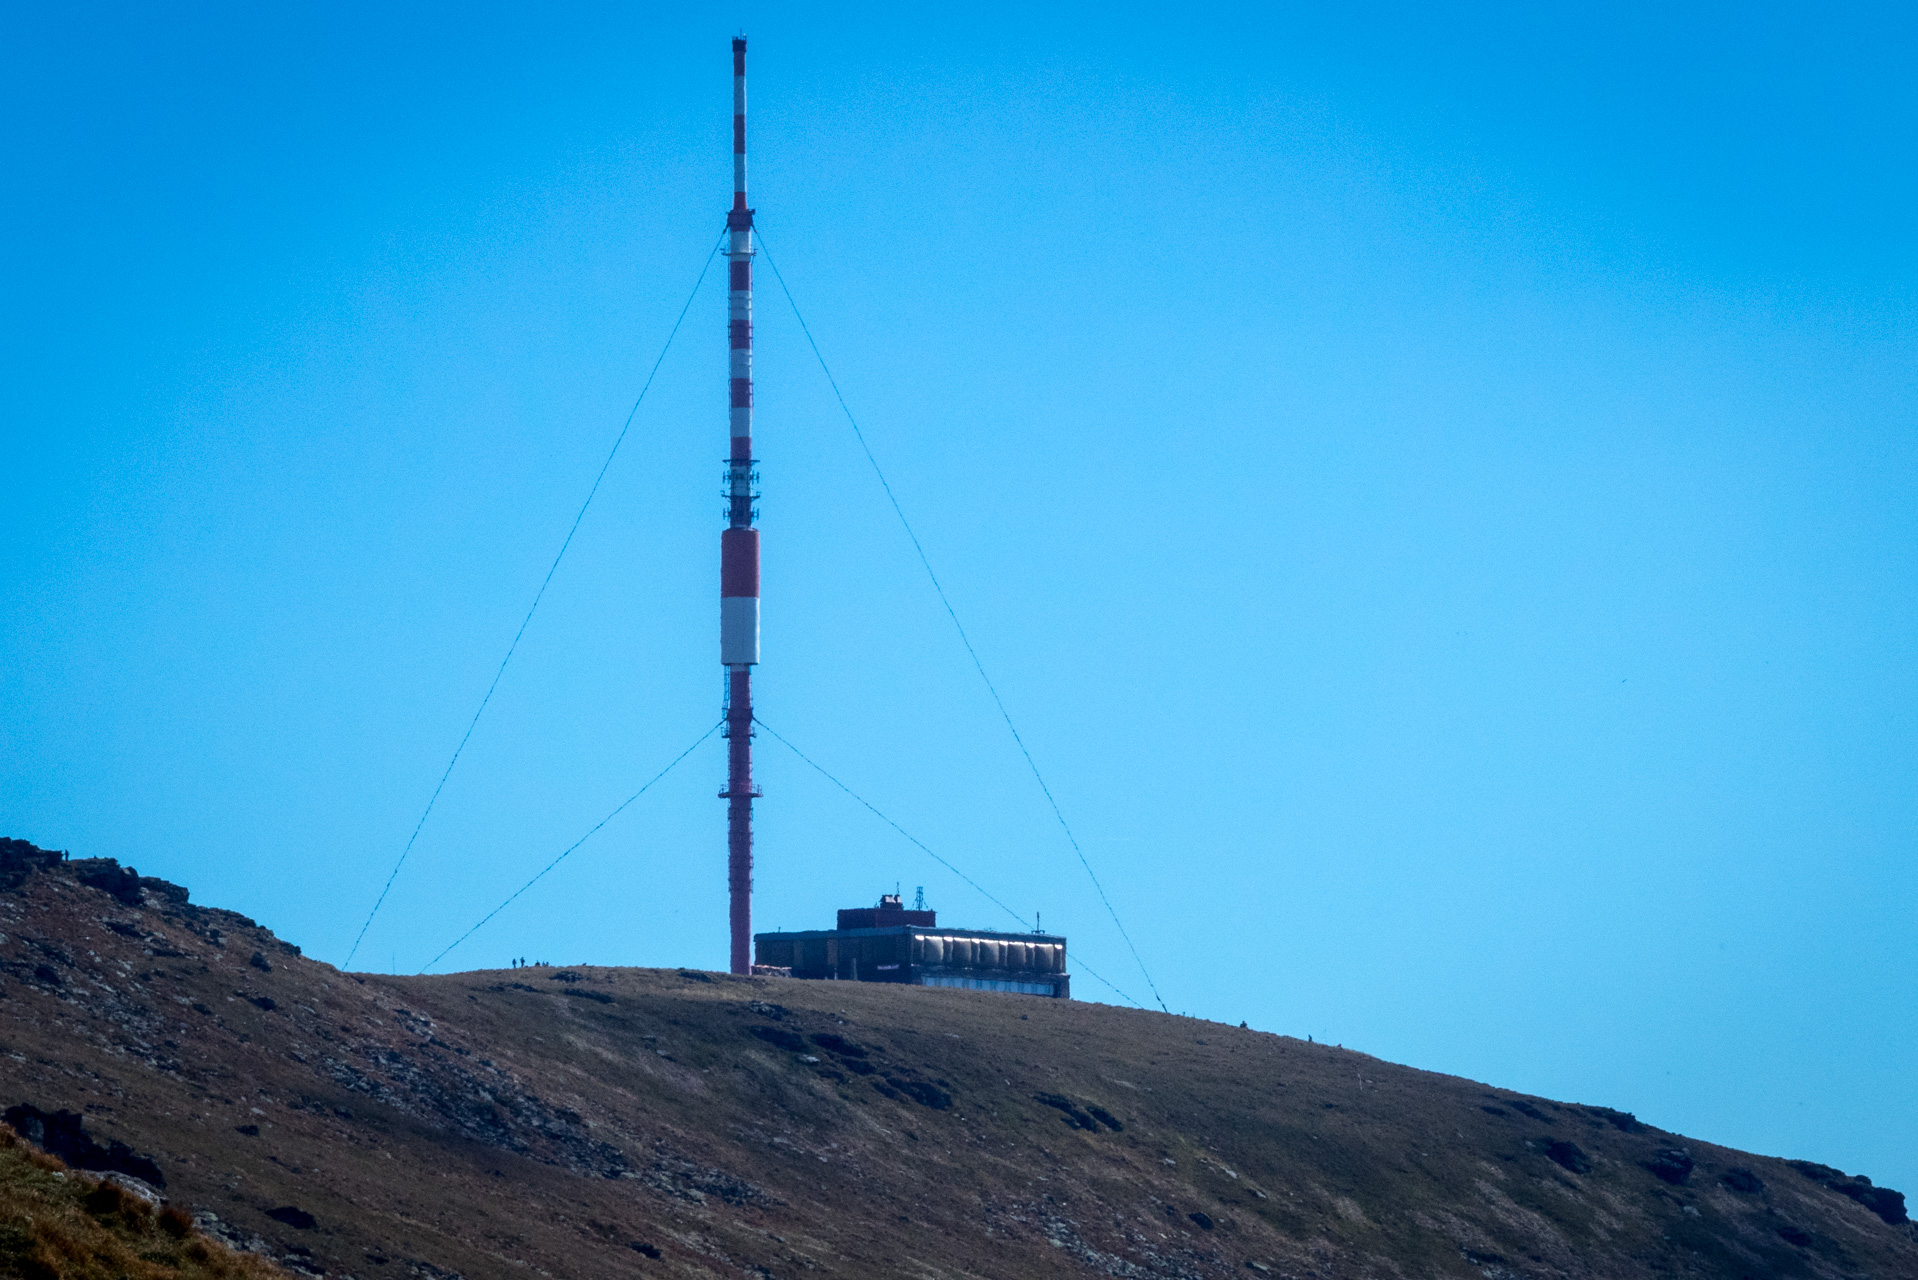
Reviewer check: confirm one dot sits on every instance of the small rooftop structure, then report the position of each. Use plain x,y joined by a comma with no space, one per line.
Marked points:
890,943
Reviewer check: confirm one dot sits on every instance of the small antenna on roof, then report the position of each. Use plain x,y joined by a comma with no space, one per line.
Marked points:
919,898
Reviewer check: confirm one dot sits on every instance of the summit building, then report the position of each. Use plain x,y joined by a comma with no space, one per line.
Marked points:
891,943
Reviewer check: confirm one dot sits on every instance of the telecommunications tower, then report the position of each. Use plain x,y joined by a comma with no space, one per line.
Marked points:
739,545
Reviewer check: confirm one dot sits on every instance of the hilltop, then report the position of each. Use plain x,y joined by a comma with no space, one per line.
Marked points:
596,1122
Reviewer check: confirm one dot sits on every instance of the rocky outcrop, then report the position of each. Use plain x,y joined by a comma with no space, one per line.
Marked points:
63,1134
19,859
1883,1201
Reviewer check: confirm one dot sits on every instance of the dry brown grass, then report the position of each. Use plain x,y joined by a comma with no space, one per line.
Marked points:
56,1224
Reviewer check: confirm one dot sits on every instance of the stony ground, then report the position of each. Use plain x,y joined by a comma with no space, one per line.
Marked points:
627,1122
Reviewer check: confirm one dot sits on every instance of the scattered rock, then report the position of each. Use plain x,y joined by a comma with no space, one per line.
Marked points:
1567,1156
1089,1117
686,1180
926,1095
1671,1164
1205,1223
1073,1116
780,1038
138,1188
839,1045
260,962
1623,1121
427,1271
229,1235
299,1260
641,1247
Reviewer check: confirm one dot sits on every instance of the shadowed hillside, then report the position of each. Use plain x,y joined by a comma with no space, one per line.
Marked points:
620,1122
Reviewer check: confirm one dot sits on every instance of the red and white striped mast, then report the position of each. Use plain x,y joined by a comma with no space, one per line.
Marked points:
739,546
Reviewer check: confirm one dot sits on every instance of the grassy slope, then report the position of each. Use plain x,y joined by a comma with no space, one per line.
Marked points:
60,1225
631,1122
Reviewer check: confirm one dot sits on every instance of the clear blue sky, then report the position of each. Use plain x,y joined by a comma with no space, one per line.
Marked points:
1434,485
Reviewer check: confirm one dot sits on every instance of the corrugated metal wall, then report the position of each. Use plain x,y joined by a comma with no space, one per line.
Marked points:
956,959
949,952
